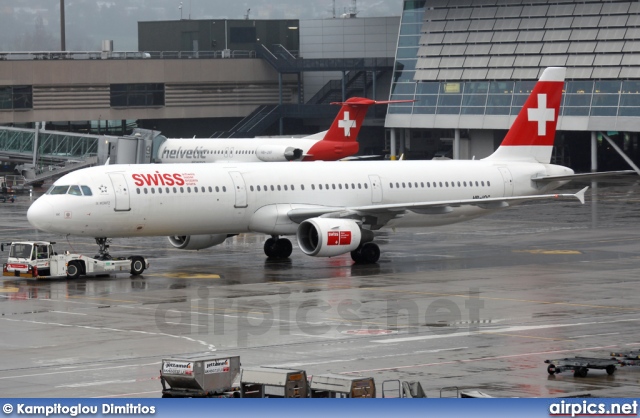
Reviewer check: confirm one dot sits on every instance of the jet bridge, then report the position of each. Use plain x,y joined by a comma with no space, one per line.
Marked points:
42,155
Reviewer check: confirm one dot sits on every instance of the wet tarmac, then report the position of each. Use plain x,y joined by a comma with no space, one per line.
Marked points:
478,305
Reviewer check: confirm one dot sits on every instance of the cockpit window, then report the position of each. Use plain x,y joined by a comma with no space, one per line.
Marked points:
86,190
74,190
58,190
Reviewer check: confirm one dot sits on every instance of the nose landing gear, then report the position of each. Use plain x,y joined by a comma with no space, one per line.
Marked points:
103,252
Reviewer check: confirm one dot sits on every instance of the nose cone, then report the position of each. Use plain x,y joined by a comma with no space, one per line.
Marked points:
40,214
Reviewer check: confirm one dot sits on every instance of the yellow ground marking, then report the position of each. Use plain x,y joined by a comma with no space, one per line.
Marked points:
549,252
189,275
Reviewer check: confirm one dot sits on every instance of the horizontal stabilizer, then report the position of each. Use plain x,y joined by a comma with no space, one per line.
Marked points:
361,101
583,176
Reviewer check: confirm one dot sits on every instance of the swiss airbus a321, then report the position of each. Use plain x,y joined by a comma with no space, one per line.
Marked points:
338,142
333,208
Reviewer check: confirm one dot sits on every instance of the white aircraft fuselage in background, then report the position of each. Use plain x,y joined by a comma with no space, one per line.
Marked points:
332,207
338,142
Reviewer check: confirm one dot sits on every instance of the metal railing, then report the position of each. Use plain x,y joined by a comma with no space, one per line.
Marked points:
111,55
52,146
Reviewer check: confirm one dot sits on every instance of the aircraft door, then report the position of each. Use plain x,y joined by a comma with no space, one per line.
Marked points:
239,189
121,190
508,181
376,188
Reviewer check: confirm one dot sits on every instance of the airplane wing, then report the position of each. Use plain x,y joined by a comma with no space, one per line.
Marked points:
360,157
583,176
378,215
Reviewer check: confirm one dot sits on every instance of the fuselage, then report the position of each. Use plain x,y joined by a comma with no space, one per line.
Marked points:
248,150
192,199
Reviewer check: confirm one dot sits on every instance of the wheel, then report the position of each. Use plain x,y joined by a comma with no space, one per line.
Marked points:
269,248
581,372
551,369
284,248
137,265
610,369
73,270
370,253
278,248
356,255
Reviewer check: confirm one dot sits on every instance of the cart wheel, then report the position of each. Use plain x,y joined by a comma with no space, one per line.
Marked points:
611,369
581,372
73,270
137,265
551,369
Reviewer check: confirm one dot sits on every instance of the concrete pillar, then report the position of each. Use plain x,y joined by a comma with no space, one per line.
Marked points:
594,152
374,93
392,144
35,143
456,144
280,121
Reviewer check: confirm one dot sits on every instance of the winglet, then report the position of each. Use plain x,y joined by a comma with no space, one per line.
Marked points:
580,195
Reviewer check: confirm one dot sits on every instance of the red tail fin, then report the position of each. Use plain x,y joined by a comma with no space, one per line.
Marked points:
347,124
340,139
533,132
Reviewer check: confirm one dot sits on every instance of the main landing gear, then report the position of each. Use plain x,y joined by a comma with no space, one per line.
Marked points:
278,248
367,253
103,252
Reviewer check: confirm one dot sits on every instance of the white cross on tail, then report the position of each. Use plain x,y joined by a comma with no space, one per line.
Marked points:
541,114
347,124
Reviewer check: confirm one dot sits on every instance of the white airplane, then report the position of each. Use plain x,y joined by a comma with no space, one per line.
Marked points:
339,141
332,207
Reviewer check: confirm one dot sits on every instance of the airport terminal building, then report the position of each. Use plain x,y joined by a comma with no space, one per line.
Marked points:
470,64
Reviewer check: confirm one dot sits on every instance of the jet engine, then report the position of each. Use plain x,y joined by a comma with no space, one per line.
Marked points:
327,237
197,242
275,153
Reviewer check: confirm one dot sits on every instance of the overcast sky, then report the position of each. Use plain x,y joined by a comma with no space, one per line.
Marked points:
34,25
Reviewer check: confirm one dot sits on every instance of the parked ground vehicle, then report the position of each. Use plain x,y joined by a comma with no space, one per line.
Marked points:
200,376
37,259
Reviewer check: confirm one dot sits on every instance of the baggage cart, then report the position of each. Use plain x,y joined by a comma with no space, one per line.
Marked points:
200,376
339,386
581,365
273,382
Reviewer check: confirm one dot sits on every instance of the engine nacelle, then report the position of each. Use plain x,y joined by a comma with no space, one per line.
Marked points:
327,237
275,153
196,242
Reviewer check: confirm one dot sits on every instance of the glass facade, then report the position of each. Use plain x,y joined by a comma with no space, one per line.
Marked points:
461,62
408,44
137,95
16,97
580,98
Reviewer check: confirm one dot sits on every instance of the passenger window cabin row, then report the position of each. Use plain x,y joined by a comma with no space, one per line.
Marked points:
314,186
438,184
